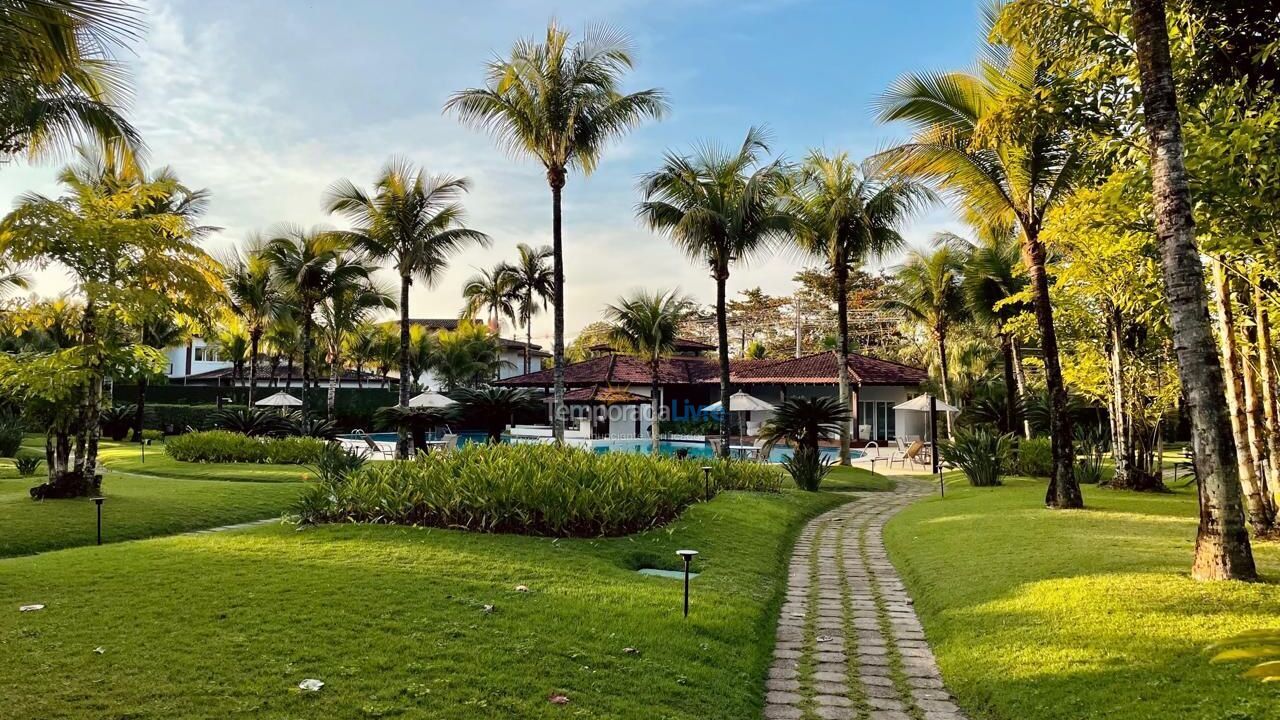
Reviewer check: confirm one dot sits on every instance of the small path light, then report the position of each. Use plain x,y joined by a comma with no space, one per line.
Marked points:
687,556
706,482
98,501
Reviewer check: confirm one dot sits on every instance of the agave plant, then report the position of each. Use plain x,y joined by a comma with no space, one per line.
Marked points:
493,406
803,423
254,422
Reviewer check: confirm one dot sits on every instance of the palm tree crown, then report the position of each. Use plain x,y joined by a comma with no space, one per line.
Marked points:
533,283
646,325
491,292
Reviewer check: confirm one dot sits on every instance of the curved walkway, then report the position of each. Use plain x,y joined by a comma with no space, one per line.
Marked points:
849,645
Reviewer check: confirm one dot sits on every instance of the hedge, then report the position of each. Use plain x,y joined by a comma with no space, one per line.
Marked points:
220,446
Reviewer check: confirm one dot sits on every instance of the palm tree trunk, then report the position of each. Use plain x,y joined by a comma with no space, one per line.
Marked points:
1010,389
1266,376
1222,550
1229,351
1063,491
404,439
335,363
722,341
1264,519
842,362
306,358
1120,449
1020,375
556,177
654,406
255,337
528,331
940,335
87,437
288,377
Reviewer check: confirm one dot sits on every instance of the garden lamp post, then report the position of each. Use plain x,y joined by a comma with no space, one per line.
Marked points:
98,501
706,481
687,556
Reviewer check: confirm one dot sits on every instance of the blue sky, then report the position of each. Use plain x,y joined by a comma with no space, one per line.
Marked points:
266,103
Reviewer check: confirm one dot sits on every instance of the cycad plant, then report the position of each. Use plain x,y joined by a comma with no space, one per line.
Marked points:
559,102
720,206
993,140
647,325
494,406
416,221
804,423
846,214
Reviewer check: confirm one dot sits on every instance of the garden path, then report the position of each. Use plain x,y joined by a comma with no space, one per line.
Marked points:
849,645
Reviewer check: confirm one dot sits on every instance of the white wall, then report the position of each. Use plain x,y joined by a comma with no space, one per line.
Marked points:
178,360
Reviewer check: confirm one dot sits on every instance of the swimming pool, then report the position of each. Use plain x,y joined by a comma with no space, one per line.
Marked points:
700,450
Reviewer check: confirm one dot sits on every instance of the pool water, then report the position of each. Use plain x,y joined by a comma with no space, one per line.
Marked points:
703,450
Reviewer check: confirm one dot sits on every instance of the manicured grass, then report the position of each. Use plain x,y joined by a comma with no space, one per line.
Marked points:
853,478
1079,614
393,620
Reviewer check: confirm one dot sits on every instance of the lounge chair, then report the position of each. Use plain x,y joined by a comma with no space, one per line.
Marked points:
899,455
448,443
716,443
910,455
376,451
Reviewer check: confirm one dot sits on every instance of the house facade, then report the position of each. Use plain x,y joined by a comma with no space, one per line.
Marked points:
611,391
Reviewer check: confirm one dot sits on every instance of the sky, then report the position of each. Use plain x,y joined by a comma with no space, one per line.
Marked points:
266,104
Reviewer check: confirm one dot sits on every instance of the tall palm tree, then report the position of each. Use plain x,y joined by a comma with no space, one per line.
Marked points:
491,292
231,339
361,346
991,280
346,308
996,167
646,325
1222,542
720,207
283,339
846,214
532,282
253,296
416,221
59,83
310,265
560,103
927,288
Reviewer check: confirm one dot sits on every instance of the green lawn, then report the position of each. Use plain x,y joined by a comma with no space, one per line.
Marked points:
851,478
1084,614
160,497
393,620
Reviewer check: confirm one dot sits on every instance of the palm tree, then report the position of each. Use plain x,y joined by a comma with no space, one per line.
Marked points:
998,168
283,338
345,309
845,214
361,346
491,292
467,357
927,288
494,406
720,207
58,81
646,325
386,350
532,282
1222,542
231,339
561,104
253,296
311,265
991,281
416,221
804,423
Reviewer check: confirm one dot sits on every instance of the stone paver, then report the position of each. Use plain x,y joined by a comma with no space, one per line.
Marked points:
849,643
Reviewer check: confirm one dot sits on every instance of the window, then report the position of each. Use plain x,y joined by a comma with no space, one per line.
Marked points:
879,415
205,354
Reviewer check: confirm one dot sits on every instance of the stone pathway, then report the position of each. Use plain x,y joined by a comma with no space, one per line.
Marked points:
849,645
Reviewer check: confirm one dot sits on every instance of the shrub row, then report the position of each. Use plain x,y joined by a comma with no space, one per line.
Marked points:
530,489
1034,458
220,446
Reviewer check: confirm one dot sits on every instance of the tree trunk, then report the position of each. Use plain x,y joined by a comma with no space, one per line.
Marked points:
306,358
404,438
1063,491
722,341
1222,543
654,407
335,365
1020,374
1120,428
842,360
528,332
288,377
255,337
1264,519
940,337
1232,363
1010,391
1266,376
556,176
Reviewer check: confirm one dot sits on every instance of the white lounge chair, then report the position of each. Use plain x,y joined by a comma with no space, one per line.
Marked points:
899,455
375,451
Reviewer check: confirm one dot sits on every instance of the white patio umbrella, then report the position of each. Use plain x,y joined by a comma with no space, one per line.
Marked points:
741,402
431,400
921,404
280,399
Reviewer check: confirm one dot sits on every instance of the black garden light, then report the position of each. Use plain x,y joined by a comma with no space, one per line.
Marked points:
706,482
98,501
687,556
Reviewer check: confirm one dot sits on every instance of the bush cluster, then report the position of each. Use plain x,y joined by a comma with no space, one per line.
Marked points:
530,489
1034,458
981,454
11,428
220,446
174,419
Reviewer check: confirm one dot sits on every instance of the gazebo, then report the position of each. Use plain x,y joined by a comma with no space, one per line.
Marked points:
597,399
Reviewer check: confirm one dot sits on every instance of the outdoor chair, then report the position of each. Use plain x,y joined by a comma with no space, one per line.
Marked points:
448,443
899,455
376,451
909,455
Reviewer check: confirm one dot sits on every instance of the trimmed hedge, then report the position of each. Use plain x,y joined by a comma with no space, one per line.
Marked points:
220,446
174,419
529,489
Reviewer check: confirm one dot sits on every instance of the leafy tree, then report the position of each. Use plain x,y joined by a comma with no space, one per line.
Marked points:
560,103
847,214
647,325
593,334
416,221
719,206
59,84
467,357
532,282
999,144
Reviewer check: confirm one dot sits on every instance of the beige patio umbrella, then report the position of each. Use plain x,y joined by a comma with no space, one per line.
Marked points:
431,400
